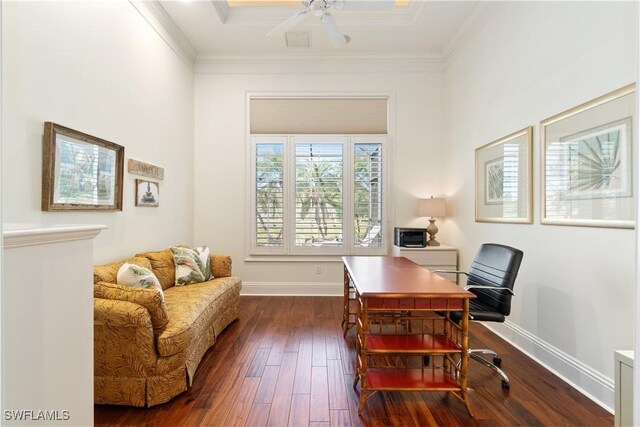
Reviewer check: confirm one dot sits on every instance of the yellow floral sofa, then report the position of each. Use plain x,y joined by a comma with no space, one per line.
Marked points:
147,350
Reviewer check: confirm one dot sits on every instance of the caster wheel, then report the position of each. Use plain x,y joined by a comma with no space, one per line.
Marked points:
506,385
497,361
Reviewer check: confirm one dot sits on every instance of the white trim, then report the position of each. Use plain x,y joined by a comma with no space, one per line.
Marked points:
155,15
293,288
17,235
465,29
593,384
316,64
222,10
293,258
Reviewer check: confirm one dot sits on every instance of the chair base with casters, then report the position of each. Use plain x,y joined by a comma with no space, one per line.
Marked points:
491,278
475,354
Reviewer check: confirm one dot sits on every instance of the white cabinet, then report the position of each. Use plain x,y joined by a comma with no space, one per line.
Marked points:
624,388
441,257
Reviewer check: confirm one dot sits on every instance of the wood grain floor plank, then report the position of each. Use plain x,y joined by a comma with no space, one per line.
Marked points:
340,418
258,415
241,406
267,386
218,403
319,394
319,350
337,388
299,414
258,362
302,380
281,405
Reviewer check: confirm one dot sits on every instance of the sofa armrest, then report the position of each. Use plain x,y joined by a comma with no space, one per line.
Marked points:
124,344
221,265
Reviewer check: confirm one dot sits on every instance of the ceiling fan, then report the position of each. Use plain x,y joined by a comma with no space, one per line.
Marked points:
320,9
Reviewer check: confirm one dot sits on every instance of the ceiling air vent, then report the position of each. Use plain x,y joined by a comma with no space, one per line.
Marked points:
298,38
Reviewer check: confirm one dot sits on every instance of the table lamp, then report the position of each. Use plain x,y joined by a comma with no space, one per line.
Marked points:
432,207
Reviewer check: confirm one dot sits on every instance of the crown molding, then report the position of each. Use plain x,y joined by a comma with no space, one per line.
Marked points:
222,10
315,63
465,29
155,15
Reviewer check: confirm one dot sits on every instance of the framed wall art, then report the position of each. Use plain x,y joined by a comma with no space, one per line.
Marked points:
587,163
504,179
147,193
80,171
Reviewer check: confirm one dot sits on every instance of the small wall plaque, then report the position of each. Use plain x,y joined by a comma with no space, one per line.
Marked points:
145,169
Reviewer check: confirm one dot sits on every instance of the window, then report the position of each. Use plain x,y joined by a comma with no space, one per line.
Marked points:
318,194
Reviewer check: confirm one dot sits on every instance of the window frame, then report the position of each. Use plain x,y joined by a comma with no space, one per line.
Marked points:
348,142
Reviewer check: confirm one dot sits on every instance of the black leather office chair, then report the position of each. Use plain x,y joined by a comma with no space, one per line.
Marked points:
491,277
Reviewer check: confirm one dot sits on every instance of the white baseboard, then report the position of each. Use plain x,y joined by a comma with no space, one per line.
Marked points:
583,378
293,288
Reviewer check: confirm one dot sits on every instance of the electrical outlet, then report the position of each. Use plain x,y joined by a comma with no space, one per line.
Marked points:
318,270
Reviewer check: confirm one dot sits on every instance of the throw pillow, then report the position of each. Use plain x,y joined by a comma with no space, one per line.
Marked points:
205,257
192,265
139,277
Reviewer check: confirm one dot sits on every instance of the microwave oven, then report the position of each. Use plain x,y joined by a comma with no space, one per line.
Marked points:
410,237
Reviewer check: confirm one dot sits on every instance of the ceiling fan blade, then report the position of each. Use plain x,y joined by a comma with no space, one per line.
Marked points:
289,23
364,4
336,37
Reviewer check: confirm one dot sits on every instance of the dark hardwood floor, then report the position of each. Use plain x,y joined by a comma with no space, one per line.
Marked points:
285,363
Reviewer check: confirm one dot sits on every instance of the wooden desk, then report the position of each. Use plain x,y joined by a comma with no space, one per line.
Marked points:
404,310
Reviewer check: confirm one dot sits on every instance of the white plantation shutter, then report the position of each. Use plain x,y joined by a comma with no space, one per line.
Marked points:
269,194
367,195
319,194
318,116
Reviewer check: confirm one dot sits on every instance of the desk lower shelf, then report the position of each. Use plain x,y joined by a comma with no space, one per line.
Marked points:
410,379
410,344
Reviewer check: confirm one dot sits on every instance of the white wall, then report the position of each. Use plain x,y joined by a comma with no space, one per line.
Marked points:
100,68
221,150
524,62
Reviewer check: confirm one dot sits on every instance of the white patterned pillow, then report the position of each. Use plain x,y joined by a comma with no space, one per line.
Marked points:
139,277
192,265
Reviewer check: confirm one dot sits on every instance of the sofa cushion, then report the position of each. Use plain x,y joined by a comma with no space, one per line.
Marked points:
193,308
192,265
162,266
150,299
108,272
138,277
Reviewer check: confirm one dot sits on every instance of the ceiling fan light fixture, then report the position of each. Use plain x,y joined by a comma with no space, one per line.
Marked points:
318,8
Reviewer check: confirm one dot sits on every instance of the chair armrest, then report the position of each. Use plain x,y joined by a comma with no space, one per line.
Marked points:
450,271
489,288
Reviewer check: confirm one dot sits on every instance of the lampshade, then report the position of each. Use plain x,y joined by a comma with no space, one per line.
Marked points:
432,207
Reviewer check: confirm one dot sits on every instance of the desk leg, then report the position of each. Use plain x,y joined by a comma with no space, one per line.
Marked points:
362,326
345,313
464,361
